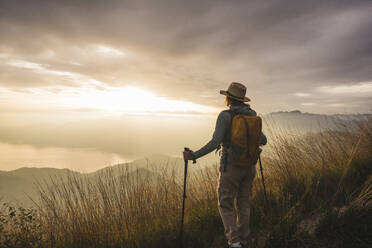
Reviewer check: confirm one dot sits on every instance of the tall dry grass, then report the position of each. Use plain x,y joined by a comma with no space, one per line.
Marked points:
134,209
306,176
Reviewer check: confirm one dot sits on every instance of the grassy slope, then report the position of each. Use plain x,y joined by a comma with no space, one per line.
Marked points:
319,189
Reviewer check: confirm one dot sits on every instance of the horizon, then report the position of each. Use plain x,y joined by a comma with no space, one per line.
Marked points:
97,153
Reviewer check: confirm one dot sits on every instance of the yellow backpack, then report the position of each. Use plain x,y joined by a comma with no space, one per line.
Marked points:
244,148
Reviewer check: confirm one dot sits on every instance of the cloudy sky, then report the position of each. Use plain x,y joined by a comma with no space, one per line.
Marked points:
78,59
290,54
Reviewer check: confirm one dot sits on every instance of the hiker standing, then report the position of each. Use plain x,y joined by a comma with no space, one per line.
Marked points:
237,165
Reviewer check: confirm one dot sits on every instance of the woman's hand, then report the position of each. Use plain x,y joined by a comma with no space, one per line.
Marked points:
188,155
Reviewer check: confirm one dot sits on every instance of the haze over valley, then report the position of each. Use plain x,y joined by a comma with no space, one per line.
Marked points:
91,144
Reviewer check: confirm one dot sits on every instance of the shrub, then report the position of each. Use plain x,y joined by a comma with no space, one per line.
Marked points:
19,227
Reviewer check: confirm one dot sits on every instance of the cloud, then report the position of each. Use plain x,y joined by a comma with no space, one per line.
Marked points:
109,51
105,99
356,97
300,94
27,65
308,103
70,77
190,50
337,105
354,89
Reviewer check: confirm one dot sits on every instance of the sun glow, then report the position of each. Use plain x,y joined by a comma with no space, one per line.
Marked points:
135,101
89,93
106,99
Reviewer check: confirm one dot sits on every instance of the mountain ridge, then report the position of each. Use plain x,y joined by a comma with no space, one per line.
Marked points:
299,112
16,185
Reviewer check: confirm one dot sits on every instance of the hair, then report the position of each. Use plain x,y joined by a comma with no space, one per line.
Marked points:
232,102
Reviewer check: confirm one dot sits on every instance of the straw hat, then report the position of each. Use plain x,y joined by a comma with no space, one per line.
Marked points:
236,91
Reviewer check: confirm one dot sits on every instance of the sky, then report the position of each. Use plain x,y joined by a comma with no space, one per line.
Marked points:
82,61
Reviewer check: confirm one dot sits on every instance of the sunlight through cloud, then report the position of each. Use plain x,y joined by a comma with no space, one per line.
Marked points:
45,69
106,100
109,50
363,87
300,94
132,100
308,103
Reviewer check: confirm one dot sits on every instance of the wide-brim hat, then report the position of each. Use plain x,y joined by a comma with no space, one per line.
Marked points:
236,91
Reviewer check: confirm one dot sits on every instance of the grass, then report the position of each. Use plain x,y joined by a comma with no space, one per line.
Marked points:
319,195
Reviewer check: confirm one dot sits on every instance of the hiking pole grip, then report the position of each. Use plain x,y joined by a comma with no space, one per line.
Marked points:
188,150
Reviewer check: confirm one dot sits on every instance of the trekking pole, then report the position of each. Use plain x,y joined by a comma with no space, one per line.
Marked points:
184,197
263,179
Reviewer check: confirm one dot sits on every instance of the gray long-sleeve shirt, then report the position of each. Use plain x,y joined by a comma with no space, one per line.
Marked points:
223,126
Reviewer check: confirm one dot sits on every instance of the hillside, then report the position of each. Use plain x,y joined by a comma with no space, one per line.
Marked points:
18,185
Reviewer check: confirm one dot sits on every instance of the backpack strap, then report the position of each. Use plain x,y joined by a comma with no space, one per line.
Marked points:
233,114
247,131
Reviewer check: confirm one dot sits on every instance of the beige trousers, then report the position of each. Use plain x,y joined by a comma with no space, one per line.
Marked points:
234,196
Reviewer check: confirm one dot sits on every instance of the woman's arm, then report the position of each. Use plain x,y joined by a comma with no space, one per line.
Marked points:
222,126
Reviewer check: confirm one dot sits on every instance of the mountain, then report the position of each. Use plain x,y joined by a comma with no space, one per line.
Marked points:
18,186
299,122
154,162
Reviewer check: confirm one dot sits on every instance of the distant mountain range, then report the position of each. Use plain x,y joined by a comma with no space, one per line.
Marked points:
297,121
298,112
18,186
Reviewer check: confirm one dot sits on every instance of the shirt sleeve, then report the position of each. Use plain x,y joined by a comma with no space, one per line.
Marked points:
222,126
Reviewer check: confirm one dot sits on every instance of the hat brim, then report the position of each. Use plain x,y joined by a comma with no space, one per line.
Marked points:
226,93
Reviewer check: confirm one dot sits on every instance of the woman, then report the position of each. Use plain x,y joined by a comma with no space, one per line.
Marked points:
235,182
